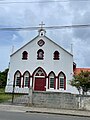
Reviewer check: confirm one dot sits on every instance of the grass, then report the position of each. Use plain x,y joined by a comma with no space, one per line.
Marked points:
3,96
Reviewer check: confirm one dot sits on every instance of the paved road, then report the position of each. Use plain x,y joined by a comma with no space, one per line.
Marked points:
5,115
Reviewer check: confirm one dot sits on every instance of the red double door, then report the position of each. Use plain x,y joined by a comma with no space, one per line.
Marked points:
40,84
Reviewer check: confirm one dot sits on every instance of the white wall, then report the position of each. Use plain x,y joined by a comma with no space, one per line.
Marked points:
65,63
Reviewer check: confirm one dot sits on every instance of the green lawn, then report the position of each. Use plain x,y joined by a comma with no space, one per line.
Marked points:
3,96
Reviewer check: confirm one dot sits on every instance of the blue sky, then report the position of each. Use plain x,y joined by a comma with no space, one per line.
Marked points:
51,13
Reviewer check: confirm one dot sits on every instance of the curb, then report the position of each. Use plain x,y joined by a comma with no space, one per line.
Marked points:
68,114
45,111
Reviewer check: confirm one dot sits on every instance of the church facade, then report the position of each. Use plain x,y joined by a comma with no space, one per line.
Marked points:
42,65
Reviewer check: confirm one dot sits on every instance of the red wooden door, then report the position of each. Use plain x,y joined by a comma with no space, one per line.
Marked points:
40,84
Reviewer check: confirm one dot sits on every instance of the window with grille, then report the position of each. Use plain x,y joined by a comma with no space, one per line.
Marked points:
18,81
26,81
61,82
17,78
51,82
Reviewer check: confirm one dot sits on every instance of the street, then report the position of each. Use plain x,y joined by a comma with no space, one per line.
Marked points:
5,115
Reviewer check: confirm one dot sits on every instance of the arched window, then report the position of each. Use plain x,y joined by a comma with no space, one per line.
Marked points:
24,55
51,80
40,54
26,79
17,79
39,72
62,81
56,55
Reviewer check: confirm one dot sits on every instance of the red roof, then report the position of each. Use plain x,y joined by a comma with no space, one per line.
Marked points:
78,70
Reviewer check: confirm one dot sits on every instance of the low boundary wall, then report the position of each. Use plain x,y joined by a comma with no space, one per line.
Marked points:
58,100
55,100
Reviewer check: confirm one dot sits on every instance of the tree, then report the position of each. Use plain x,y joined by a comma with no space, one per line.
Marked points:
3,77
81,81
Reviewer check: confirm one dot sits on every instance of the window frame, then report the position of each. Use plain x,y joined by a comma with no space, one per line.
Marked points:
51,84
26,81
24,55
40,54
17,82
51,76
56,55
26,75
62,76
61,83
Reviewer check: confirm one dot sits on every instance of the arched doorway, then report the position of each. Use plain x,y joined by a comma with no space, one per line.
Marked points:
39,80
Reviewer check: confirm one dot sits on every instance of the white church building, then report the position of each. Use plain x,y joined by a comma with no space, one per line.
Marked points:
41,64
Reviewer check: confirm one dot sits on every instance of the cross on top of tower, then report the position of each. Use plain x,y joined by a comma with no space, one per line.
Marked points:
41,29
42,24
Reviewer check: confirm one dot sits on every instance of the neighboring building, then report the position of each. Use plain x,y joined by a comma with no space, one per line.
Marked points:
78,70
41,64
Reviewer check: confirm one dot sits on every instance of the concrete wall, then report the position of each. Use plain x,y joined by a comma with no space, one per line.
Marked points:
61,100
55,100
84,101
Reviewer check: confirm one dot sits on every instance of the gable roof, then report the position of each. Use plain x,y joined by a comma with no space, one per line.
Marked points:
37,37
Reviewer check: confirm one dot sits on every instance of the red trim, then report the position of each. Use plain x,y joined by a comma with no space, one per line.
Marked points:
20,78
33,75
48,82
41,69
58,83
32,81
65,83
54,79
64,80
14,81
24,81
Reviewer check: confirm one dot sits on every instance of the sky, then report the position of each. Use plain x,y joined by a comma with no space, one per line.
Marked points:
57,13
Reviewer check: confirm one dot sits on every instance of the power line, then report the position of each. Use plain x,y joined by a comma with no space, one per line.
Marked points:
49,27
32,2
35,2
69,26
19,29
